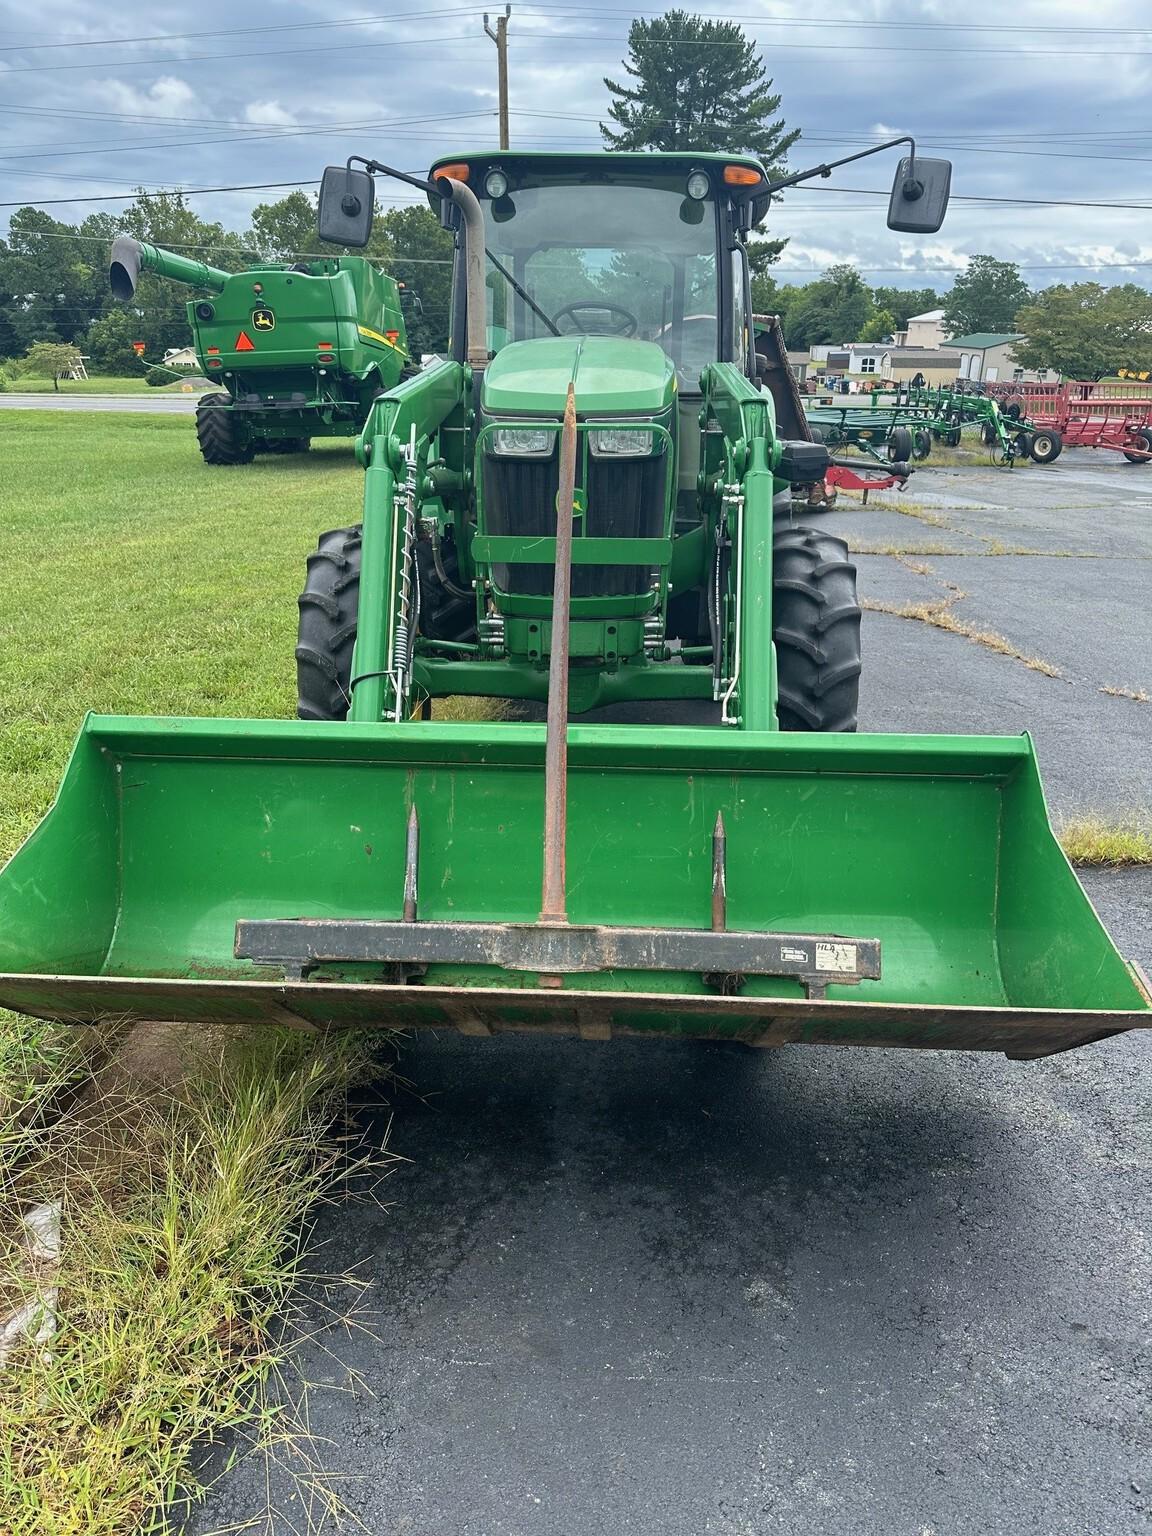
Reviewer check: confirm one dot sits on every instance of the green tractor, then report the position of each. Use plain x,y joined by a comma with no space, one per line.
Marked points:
301,350
585,505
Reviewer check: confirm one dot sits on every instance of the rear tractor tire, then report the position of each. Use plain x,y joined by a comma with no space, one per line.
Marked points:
1045,446
329,605
221,437
816,628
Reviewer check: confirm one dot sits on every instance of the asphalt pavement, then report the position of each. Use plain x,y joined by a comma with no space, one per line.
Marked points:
641,1287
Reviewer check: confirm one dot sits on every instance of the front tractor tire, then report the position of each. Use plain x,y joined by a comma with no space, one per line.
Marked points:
329,605
816,627
329,610
221,436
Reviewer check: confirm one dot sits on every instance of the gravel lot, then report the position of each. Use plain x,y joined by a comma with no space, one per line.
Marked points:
642,1288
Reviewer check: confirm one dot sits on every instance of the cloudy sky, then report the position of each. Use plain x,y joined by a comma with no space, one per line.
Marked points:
1040,109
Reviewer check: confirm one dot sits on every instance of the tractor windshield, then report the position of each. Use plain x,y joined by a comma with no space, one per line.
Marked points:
600,259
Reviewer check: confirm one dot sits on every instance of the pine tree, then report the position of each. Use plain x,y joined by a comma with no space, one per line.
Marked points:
699,85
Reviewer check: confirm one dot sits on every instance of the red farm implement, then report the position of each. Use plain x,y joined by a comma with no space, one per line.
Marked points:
1086,415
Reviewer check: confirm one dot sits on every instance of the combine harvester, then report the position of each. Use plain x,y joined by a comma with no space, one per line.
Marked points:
770,878
302,351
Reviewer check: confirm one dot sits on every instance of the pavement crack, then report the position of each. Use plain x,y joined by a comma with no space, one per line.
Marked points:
939,615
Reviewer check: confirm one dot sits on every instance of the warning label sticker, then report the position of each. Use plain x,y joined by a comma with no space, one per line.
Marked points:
831,956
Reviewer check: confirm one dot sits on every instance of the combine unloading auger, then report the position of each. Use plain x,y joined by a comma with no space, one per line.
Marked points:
771,877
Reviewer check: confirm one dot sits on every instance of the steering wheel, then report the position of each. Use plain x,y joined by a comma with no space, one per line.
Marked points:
627,322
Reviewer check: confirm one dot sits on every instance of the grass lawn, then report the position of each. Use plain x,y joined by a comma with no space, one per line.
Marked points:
92,386
140,581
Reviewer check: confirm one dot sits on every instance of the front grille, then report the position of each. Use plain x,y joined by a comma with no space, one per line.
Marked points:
625,501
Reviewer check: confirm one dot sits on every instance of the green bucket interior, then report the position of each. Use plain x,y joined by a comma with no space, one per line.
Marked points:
167,832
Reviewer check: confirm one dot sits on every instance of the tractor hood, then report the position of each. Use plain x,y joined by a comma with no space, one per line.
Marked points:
612,375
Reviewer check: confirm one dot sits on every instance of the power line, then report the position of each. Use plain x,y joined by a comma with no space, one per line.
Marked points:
560,12
389,127
200,58
444,261
959,197
127,197
595,37
300,26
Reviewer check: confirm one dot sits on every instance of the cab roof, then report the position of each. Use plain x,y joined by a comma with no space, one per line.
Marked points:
658,161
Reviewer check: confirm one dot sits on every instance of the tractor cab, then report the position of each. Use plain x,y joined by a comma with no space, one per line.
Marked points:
628,247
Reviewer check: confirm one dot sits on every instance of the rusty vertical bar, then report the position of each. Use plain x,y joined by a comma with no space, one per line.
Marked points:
553,906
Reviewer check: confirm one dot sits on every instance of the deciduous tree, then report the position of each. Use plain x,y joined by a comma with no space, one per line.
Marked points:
1085,330
985,297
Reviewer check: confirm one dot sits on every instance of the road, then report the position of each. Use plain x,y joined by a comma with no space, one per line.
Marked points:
152,404
637,1287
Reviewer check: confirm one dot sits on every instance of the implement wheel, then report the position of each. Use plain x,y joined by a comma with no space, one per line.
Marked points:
1045,446
1139,458
328,609
921,443
899,445
221,437
817,631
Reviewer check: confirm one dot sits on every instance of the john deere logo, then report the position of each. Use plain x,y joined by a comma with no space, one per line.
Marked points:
263,320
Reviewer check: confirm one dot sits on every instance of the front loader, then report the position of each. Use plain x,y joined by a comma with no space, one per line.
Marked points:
585,510
300,350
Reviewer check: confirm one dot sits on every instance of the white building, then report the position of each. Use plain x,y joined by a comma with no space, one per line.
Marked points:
926,330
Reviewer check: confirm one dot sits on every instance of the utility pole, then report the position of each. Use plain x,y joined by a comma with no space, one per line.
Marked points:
500,38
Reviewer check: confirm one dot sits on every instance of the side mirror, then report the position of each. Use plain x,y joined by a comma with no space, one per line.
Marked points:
347,199
919,198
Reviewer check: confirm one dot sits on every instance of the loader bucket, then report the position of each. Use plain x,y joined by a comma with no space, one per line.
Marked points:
874,890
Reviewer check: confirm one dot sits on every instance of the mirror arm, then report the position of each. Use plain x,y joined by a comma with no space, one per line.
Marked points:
376,167
826,170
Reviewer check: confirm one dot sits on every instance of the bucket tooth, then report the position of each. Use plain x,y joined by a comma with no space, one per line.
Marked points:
411,865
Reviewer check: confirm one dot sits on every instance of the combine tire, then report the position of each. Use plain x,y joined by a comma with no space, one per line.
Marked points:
216,432
328,609
817,631
899,445
1045,446
1138,458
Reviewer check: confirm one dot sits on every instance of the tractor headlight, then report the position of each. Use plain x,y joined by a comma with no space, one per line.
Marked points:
522,443
621,443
